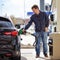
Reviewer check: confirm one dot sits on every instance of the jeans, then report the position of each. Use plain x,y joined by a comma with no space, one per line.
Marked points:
41,36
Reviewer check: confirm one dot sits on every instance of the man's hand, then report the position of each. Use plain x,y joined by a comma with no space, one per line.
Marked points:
46,29
24,31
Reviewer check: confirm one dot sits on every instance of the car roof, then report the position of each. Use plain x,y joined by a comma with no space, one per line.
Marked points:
4,19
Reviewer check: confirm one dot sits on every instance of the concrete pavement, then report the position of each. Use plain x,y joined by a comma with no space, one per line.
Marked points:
29,54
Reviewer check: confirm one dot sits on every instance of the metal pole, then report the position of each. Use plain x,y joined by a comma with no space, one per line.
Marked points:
24,9
42,5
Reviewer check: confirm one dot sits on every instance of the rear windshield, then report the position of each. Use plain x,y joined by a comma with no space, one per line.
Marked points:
5,24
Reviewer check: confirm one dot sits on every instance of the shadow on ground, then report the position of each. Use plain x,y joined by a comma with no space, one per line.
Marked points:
23,58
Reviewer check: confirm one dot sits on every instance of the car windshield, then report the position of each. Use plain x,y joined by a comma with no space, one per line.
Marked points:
5,24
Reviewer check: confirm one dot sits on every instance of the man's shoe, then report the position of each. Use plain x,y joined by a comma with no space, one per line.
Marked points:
37,56
45,55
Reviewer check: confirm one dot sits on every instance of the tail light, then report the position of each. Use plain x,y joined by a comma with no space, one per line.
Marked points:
8,54
13,33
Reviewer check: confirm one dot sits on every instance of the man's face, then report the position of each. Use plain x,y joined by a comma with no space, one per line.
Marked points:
34,10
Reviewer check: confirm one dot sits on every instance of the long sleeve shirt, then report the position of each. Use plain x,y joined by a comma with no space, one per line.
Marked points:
41,21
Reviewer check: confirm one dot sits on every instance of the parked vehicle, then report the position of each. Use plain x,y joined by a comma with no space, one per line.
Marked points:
9,42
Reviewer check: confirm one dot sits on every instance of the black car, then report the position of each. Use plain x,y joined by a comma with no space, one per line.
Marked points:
9,42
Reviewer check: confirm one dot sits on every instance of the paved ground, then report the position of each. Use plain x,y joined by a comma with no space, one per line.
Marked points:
29,54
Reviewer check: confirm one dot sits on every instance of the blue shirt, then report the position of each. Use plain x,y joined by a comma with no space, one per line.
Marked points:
41,21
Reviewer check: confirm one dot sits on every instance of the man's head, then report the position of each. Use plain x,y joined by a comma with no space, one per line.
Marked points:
35,9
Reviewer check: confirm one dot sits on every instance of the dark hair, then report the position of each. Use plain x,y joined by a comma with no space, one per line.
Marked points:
35,6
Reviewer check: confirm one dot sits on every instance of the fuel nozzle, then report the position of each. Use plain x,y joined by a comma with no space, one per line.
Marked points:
22,31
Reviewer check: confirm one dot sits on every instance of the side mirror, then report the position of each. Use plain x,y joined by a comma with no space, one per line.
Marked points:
17,26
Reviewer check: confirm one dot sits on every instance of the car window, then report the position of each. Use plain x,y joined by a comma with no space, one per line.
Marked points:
5,24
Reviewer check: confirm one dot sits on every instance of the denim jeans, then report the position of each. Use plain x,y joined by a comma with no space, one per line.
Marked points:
41,37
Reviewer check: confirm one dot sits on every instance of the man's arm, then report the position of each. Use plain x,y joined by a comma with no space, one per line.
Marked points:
46,22
29,24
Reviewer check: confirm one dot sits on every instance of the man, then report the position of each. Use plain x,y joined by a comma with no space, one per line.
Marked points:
41,22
